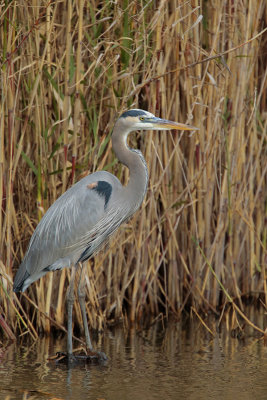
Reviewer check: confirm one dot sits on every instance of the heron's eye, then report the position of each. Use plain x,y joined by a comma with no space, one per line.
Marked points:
141,118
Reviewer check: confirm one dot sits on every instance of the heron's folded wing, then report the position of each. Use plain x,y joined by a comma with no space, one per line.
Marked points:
76,218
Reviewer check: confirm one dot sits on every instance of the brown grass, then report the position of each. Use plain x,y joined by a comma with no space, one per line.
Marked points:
68,69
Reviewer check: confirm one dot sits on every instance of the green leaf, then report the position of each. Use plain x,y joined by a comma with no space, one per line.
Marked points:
30,163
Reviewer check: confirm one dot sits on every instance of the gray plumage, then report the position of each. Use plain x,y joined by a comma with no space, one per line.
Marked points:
78,220
82,219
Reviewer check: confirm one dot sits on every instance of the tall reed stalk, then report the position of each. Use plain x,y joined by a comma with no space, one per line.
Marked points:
68,69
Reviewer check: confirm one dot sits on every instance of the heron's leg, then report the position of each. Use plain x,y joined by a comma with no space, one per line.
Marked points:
70,301
81,296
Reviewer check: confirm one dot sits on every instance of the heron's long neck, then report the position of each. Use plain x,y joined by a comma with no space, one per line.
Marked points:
134,160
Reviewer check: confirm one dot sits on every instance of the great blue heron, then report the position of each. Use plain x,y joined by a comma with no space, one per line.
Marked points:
82,219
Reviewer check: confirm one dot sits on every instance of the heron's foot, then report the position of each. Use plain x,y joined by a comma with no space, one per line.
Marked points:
99,356
90,357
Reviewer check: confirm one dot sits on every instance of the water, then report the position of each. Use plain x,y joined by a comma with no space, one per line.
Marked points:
178,362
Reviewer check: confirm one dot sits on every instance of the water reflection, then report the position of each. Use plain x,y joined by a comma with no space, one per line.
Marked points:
180,361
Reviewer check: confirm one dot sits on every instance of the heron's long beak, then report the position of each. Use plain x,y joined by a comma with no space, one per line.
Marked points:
165,124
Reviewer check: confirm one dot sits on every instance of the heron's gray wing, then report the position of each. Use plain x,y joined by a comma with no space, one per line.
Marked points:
78,221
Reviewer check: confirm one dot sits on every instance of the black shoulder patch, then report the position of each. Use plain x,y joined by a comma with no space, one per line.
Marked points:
133,113
104,189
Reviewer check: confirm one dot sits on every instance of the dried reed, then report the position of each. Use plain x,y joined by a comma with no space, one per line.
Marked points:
68,69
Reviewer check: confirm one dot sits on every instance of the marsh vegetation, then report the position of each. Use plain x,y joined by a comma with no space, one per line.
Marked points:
68,69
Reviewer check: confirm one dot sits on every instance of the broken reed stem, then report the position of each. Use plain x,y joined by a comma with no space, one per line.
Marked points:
64,81
202,322
229,298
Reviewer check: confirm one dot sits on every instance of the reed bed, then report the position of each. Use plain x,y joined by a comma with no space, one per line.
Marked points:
68,69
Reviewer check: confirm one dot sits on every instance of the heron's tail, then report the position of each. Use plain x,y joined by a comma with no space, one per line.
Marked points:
21,276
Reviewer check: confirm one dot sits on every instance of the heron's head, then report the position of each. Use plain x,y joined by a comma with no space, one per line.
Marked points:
136,119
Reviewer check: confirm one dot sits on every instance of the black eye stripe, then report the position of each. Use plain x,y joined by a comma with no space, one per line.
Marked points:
133,113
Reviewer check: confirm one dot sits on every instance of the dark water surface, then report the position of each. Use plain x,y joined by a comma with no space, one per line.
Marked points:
177,362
